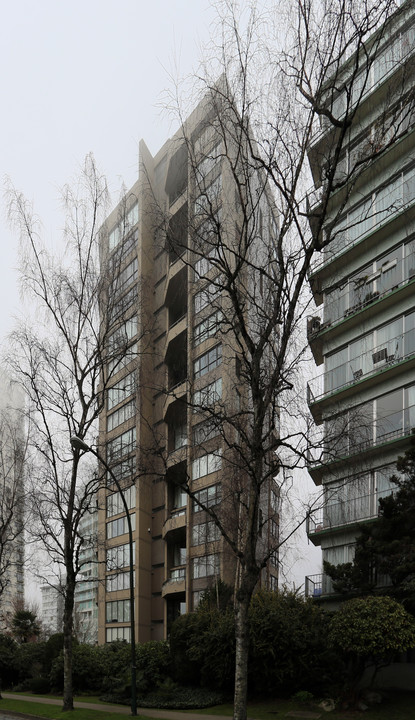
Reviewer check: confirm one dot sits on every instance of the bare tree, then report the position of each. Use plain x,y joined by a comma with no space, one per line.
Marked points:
254,231
64,355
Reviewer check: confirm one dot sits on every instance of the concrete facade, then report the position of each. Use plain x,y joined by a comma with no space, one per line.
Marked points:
173,364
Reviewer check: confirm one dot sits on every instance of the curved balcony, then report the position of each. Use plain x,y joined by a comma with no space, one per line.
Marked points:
176,521
176,582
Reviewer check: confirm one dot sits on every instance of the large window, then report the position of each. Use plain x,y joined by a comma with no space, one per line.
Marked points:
119,526
206,297
119,556
206,464
207,328
122,470
207,396
209,497
204,533
208,361
122,445
204,431
121,390
117,633
118,581
125,278
125,412
122,228
115,504
117,611
205,566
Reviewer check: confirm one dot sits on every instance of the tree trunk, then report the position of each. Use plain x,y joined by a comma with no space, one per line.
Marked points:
242,603
67,649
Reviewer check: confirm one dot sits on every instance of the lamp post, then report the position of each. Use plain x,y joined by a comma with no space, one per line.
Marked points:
78,444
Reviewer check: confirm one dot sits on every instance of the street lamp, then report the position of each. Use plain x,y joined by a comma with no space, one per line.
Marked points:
78,444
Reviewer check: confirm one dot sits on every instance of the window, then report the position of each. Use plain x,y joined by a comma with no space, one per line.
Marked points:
123,359
205,297
209,198
115,505
119,526
119,556
208,361
209,497
206,464
117,611
205,533
207,328
117,633
204,431
119,416
122,470
205,566
121,390
208,162
122,445
123,334
119,581
125,278
207,396
122,228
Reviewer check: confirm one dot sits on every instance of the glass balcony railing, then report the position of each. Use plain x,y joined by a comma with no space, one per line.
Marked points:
357,293
348,437
380,357
345,512
368,216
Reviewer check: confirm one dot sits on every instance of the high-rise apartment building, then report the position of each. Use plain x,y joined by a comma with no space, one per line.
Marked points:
11,501
52,607
86,590
364,338
170,364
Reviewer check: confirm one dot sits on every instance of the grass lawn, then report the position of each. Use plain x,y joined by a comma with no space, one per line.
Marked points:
397,705
55,712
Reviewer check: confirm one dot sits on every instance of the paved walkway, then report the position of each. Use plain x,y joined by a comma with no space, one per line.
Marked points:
121,709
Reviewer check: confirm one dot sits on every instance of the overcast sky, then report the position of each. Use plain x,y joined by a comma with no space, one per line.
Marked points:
81,76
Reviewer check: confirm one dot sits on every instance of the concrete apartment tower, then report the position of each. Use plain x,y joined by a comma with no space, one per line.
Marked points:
11,501
364,336
174,364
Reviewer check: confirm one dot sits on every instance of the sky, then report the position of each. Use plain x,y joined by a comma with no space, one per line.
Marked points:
84,76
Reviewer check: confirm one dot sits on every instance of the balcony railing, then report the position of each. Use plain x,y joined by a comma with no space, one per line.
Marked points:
359,293
345,512
360,435
381,357
368,217
318,585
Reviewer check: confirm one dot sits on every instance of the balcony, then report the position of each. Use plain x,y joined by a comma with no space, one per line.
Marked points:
176,582
346,442
361,291
340,380
175,523
317,586
338,515
371,220
380,74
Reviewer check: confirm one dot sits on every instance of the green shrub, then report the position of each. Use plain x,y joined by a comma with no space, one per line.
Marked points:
8,670
39,686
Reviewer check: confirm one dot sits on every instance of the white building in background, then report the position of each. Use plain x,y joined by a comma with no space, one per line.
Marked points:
86,591
11,500
364,338
52,608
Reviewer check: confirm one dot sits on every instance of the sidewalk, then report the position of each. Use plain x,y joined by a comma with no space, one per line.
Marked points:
121,709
